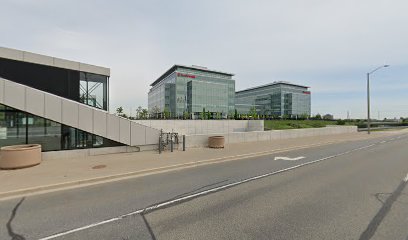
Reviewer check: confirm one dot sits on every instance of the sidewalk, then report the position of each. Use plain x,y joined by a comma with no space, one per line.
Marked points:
58,174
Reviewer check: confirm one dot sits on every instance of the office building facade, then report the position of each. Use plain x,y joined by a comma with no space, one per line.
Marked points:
60,104
191,89
277,99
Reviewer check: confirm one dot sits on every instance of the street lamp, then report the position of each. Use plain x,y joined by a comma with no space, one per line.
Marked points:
368,95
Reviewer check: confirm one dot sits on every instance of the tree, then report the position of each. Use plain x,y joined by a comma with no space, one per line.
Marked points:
230,115
144,113
218,115
156,111
186,115
252,112
318,116
328,117
119,111
204,115
235,114
304,116
138,112
166,113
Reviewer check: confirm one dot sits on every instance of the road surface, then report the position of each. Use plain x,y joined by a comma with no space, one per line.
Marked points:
350,190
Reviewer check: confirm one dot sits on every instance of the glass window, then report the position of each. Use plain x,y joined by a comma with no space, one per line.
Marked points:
12,126
93,90
17,127
45,132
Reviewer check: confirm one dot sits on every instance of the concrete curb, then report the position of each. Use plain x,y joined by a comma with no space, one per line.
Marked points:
122,176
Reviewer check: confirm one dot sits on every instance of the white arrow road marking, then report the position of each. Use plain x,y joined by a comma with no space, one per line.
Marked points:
289,159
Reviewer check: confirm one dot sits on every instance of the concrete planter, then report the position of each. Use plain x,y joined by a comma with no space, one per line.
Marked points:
216,142
20,156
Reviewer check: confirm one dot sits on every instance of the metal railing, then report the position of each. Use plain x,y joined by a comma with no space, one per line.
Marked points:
167,140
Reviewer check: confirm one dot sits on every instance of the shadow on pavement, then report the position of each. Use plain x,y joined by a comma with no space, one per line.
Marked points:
11,233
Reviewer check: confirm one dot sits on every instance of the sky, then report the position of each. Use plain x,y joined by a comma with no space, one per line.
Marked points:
328,45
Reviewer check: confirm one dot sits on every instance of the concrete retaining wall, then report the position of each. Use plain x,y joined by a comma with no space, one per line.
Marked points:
81,153
193,127
201,140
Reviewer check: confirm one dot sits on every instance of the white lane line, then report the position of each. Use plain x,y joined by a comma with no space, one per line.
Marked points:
406,178
288,158
383,141
202,193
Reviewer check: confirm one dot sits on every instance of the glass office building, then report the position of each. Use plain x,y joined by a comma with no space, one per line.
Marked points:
190,89
70,80
276,99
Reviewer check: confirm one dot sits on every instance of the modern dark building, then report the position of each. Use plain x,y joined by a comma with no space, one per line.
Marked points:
60,104
277,99
190,89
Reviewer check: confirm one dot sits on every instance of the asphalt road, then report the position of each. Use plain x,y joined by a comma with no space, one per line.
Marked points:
351,190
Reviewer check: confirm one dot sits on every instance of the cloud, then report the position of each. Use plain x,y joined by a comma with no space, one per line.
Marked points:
326,44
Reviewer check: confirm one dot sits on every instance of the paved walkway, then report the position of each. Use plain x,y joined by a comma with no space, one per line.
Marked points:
67,173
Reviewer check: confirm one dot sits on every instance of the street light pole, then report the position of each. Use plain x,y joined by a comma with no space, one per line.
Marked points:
368,96
368,103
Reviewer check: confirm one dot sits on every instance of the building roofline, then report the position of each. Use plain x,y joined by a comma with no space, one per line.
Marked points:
29,57
175,66
271,84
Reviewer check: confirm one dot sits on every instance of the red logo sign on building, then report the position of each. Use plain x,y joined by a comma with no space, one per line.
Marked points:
185,75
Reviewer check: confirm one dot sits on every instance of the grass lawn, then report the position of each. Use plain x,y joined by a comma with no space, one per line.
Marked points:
293,124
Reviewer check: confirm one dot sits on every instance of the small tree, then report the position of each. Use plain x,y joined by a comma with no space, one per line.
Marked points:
204,115
231,115
218,115
166,113
119,111
318,116
144,113
138,111
208,114
236,114
252,112
156,111
304,116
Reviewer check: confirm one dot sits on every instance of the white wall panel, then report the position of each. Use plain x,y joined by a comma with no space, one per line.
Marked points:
85,114
14,95
52,107
62,63
94,69
138,134
35,101
70,113
124,136
38,58
99,123
113,127
11,54
152,136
